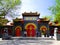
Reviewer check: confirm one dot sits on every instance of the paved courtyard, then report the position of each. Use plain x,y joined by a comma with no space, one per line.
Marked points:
33,41
39,41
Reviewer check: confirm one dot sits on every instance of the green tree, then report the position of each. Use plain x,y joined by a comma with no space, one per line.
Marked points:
47,17
3,21
55,9
5,7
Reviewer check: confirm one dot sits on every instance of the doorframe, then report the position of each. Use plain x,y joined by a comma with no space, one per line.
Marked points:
30,24
19,28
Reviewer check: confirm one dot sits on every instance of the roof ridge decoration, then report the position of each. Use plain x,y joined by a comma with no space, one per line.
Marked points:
30,14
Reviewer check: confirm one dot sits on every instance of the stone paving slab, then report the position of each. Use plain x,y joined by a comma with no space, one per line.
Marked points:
30,42
32,38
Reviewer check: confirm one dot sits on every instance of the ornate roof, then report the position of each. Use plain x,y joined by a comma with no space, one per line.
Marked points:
18,19
43,19
31,14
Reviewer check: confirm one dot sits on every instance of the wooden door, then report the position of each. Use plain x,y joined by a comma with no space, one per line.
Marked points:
18,31
31,31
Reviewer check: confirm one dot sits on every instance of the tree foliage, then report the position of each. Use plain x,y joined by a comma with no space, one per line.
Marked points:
3,21
47,17
55,9
5,6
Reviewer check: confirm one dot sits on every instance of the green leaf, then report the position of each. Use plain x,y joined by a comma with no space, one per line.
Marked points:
8,4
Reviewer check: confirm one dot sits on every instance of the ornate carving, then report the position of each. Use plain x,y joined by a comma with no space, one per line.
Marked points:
18,27
30,24
44,28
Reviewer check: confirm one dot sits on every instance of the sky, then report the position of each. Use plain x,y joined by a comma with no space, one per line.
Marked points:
40,6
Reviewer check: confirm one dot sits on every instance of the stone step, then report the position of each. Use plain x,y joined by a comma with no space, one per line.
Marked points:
32,38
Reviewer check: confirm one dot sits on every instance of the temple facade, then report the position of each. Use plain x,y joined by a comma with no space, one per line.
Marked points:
30,26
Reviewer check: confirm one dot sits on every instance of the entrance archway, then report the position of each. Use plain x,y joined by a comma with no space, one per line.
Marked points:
31,30
43,29
18,31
